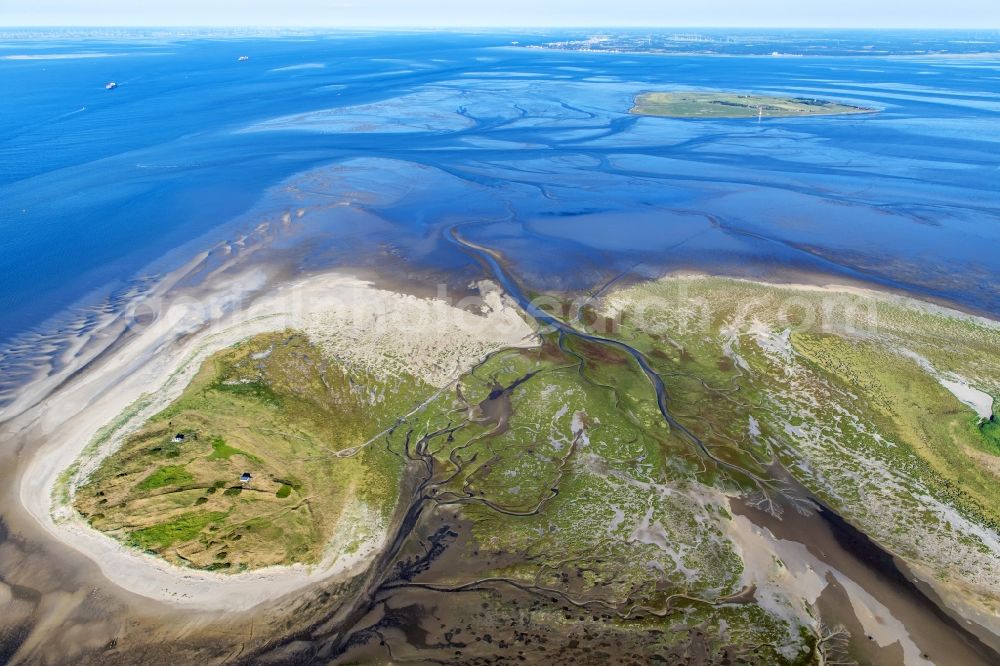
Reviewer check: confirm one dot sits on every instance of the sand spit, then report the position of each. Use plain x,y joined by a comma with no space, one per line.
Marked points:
383,330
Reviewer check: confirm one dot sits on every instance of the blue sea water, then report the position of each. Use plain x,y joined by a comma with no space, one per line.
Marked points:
532,149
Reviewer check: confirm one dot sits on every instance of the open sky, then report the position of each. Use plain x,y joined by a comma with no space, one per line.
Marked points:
513,13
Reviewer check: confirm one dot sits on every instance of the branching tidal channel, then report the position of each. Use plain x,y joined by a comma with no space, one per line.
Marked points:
360,609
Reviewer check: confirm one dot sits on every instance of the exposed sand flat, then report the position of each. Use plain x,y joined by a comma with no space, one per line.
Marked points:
151,369
428,338
971,396
82,348
788,580
391,115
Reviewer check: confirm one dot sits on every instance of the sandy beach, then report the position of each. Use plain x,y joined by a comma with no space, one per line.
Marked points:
350,318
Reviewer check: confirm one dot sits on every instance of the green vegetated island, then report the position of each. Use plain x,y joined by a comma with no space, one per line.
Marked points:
252,465
572,483
687,104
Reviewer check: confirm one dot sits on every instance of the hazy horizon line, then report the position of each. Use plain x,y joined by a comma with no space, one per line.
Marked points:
505,28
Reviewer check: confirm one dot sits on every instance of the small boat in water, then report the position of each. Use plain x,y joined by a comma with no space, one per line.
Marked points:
243,58
110,85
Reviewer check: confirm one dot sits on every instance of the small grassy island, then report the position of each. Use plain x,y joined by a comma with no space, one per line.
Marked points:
688,104
247,468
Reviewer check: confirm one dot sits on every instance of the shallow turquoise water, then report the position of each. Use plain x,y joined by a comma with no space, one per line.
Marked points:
533,150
